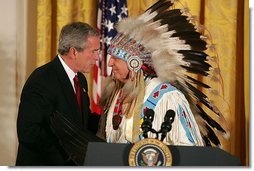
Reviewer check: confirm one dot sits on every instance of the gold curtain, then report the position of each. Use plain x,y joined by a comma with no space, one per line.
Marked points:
246,45
228,23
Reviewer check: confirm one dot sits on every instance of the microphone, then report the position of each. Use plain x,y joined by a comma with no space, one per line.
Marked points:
167,124
146,126
170,116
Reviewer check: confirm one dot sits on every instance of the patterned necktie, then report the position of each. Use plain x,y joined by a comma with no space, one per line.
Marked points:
78,94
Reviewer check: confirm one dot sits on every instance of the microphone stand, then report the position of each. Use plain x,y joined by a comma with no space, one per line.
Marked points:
147,123
166,126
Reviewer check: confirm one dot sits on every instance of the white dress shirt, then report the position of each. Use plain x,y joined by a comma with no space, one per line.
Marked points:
69,72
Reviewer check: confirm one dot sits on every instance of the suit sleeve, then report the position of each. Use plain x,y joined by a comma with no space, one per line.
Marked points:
36,106
91,119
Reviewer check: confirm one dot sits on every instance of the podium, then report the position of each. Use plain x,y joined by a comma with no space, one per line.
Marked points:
111,154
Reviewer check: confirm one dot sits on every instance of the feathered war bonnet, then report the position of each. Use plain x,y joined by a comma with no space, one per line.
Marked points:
165,42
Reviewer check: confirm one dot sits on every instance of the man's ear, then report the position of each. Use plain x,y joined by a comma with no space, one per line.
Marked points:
73,52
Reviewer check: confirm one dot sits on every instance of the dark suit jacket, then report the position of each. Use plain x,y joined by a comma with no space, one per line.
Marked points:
48,89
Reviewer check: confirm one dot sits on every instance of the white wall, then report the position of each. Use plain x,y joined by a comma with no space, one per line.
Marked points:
8,51
17,60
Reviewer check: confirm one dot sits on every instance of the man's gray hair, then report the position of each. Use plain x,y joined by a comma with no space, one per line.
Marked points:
75,35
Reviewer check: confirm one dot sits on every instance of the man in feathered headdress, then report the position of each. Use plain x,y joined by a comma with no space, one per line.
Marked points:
150,58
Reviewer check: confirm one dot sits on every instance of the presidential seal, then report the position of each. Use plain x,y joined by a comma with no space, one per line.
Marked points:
150,152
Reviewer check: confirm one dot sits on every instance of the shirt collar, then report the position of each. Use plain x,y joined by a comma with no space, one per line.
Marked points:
67,69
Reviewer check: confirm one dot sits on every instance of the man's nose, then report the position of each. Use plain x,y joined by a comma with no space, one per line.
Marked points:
97,56
111,61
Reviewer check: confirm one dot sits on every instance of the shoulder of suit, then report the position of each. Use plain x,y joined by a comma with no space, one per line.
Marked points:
45,72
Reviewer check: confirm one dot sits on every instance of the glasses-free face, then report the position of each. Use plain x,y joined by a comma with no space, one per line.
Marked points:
120,69
86,59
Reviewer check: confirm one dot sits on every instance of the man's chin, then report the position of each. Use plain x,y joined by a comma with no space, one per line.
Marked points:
88,70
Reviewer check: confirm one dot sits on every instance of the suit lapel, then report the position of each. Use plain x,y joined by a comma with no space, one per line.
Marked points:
68,92
85,98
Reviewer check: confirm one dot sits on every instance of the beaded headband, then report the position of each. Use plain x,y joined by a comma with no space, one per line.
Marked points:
131,51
